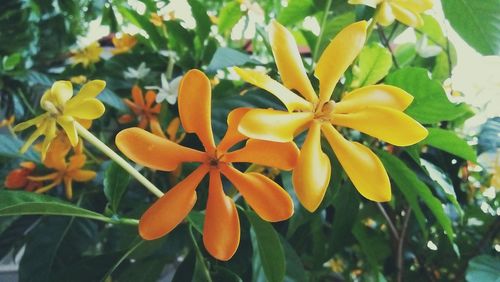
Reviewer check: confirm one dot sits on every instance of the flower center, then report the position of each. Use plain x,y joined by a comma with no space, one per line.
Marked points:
51,108
325,112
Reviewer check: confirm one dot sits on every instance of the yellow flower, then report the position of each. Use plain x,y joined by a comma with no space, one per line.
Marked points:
335,264
88,55
79,79
7,121
405,11
123,44
376,110
66,172
64,110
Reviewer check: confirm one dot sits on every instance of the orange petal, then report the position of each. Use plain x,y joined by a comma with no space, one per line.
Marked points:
68,187
221,231
273,125
289,62
361,165
83,175
274,154
173,128
194,107
312,173
374,95
268,199
137,96
166,213
232,135
156,129
387,124
154,152
338,56
150,98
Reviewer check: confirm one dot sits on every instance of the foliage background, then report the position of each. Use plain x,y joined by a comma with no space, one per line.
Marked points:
444,208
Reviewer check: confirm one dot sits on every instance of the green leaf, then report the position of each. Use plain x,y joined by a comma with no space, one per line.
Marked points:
225,57
116,180
405,53
295,270
23,203
229,16
11,61
203,22
477,22
296,11
110,98
483,268
433,30
448,141
430,104
374,246
10,148
269,247
346,204
373,64
414,190
333,27
197,219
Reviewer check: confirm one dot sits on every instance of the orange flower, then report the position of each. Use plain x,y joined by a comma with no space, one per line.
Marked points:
18,178
221,231
142,107
66,172
123,43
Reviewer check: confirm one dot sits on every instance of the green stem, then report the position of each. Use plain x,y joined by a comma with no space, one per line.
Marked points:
321,32
126,255
26,102
170,67
85,134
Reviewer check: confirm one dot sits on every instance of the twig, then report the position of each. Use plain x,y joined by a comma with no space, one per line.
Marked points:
400,259
385,41
392,227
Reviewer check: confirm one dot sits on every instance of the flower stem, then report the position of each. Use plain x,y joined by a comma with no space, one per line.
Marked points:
85,134
321,32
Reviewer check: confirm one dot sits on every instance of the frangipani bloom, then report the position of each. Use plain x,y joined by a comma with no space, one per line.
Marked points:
405,11
143,106
64,110
375,110
123,43
66,172
167,91
88,55
221,233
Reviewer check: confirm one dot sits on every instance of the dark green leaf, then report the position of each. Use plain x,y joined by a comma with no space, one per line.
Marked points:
448,141
110,98
477,22
294,268
203,22
483,268
226,57
430,104
346,204
296,11
269,247
10,148
197,218
116,180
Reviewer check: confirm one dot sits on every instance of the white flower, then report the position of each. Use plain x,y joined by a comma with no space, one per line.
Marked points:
425,50
167,91
141,72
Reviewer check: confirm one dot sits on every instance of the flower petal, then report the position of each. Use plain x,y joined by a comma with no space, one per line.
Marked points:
387,124
312,174
418,6
194,107
68,187
371,3
274,154
29,123
273,125
137,96
61,92
68,125
87,109
374,95
167,212
83,175
89,90
384,15
406,16
361,165
150,98
268,199
50,135
232,135
289,63
153,151
221,231
291,100
338,56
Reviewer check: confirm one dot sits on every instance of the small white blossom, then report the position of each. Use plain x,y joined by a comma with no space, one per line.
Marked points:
141,72
167,91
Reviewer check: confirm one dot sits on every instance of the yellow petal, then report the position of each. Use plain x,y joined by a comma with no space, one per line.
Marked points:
371,3
61,92
406,16
83,175
268,199
221,231
338,56
387,124
384,15
361,165
232,135
291,100
167,212
374,95
86,109
194,100
68,187
37,133
272,125
417,6
50,134
29,123
312,173
273,154
89,90
288,60
68,125
153,151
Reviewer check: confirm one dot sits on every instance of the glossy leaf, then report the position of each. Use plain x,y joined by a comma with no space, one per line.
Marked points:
448,141
116,181
373,64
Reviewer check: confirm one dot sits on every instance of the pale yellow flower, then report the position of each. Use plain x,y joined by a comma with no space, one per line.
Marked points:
88,55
